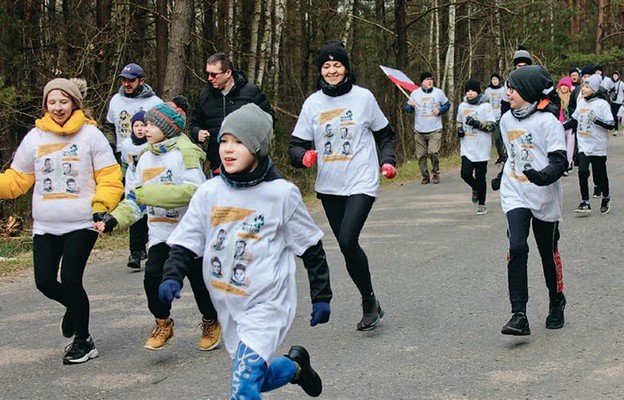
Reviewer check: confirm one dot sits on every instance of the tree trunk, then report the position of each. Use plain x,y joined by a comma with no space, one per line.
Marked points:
600,26
138,33
104,9
449,71
265,44
280,11
253,48
349,6
208,28
181,12
162,39
497,35
401,34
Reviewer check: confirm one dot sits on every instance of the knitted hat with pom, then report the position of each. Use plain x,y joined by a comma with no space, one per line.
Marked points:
170,117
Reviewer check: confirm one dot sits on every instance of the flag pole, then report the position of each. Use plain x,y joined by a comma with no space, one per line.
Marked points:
402,90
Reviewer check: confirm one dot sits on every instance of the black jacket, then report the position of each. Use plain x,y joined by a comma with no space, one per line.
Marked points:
212,107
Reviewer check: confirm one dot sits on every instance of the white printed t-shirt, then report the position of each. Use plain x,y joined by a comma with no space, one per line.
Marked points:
120,112
593,140
341,128
164,169
528,143
424,119
249,238
476,145
63,166
495,96
130,156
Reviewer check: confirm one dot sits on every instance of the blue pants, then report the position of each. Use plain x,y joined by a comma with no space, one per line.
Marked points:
251,375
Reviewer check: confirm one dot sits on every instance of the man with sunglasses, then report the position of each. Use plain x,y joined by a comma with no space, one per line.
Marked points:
228,90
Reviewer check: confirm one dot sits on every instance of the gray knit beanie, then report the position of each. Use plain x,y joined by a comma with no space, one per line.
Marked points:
522,56
593,82
252,126
76,88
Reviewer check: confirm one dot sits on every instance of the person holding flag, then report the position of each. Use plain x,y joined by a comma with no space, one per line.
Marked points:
428,103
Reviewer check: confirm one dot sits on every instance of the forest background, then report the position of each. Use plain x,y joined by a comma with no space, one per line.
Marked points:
275,42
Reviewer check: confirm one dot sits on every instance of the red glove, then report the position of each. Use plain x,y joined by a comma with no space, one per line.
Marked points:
388,171
309,158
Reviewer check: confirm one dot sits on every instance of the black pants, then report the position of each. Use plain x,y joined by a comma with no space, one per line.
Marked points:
474,174
156,258
347,215
138,235
71,251
599,168
547,237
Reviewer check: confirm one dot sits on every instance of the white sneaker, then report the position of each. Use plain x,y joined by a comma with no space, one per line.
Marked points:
481,209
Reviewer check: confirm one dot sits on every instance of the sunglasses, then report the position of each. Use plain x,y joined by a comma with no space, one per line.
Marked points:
215,74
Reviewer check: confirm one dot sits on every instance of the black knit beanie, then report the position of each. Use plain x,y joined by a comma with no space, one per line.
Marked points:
332,50
425,75
588,69
532,82
473,84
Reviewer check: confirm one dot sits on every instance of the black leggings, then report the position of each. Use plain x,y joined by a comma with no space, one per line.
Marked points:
547,237
156,258
74,249
138,235
599,168
478,180
347,215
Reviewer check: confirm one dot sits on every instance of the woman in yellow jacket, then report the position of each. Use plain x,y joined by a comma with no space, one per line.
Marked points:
76,179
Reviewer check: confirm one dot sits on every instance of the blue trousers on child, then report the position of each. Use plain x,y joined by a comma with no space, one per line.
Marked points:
251,375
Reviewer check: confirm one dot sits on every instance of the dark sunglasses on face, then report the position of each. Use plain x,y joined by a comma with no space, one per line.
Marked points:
215,74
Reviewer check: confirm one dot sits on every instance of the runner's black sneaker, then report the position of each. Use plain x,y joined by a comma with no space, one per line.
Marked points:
583,208
80,351
134,260
597,194
372,314
67,326
555,319
605,206
307,377
518,325
143,255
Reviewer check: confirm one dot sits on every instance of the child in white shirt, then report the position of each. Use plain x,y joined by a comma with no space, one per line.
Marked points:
476,122
531,192
248,224
131,148
594,119
167,176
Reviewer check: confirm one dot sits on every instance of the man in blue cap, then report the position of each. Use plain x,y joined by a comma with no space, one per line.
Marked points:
133,96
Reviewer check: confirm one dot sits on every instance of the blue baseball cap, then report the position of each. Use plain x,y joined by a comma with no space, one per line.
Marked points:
132,71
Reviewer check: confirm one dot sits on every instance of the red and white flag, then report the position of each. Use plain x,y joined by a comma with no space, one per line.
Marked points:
399,78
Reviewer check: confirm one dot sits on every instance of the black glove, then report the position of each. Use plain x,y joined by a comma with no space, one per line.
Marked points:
109,221
536,177
496,182
460,132
472,121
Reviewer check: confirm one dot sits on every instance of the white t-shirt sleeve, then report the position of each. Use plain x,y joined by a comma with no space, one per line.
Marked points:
24,158
378,119
102,153
301,231
304,129
191,231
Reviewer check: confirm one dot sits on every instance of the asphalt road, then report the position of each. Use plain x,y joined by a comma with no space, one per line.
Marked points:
439,271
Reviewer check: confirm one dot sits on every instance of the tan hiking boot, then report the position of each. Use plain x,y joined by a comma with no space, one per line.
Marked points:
211,334
160,335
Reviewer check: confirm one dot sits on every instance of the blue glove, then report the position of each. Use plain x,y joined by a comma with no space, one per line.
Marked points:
168,290
320,313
